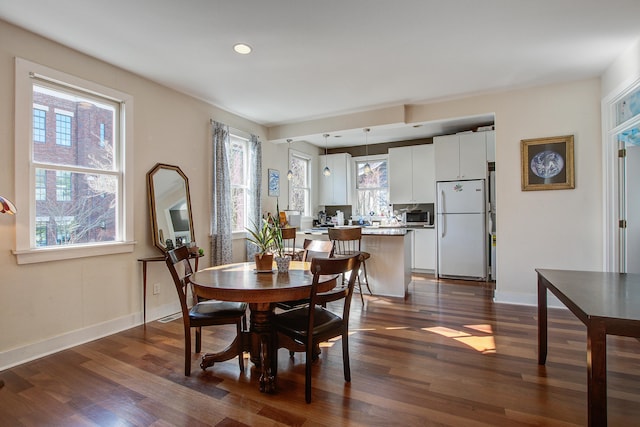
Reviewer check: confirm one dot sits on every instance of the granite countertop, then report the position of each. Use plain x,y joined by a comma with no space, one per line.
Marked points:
367,231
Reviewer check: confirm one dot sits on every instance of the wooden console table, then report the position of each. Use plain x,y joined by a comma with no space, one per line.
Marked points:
160,258
607,303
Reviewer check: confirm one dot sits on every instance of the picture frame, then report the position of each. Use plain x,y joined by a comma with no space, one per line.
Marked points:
547,163
273,178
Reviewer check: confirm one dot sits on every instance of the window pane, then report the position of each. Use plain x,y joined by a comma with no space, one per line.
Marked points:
373,192
628,107
299,192
297,199
238,208
39,124
63,130
376,201
63,186
299,168
238,173
77,124
86,214
237,164
377,178
41,184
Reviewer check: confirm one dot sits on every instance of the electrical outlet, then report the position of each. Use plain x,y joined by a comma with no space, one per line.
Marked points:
156,288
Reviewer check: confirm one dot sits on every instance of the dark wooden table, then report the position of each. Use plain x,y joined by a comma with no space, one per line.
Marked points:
607,303
240,282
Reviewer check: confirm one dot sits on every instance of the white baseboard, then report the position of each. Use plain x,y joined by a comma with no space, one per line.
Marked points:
19,355
526,299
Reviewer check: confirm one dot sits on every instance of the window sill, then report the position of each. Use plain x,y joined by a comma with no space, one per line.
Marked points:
32,256
237,235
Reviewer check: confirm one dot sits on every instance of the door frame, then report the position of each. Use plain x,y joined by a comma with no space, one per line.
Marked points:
614,179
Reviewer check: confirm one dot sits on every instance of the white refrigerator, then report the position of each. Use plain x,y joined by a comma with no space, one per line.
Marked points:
461,227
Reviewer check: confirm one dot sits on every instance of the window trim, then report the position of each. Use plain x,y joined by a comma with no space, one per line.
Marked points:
25,187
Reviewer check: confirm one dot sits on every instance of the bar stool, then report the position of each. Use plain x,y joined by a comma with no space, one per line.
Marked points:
347,242
289,243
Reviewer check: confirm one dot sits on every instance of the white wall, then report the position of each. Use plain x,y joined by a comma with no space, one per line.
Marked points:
46,306
540,229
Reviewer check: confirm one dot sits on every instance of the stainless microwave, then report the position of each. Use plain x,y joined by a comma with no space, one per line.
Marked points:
418,216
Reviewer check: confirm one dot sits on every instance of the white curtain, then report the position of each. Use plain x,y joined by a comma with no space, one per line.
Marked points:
221,247
255,183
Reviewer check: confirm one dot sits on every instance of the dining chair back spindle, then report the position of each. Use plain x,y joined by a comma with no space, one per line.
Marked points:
205,313
312,324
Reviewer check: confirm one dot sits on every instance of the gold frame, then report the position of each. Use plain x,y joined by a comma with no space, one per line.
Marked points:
562,145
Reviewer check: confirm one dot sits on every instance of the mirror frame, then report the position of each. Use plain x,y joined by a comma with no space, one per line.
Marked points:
151,192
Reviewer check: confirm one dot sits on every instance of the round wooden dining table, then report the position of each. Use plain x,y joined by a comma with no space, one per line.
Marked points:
261,290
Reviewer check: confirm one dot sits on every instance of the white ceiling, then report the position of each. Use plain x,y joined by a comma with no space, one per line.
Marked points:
314,59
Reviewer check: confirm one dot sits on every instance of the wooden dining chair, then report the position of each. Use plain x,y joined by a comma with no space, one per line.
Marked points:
348,241
312,324
205,313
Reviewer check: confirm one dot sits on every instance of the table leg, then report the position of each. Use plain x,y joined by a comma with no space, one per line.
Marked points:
262,353
597,373
144,293
209,359
542,321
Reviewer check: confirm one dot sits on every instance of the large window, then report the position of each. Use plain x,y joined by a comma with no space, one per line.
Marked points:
299,184
372,186
75,200
239,177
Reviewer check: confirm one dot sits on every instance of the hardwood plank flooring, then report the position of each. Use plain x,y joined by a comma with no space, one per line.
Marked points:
445,356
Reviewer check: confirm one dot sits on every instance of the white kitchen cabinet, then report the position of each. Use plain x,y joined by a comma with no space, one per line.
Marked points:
412,174
335,189
424,249
461,156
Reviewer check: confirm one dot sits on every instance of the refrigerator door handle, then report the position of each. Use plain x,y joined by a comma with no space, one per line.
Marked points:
441,213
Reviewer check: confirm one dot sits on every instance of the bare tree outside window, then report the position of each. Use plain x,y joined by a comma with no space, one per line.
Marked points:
372,187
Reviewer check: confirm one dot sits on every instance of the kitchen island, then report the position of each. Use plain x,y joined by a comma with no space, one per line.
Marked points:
389,268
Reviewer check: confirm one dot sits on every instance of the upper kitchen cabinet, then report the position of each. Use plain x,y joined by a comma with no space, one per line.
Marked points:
335,189
461,156
412,174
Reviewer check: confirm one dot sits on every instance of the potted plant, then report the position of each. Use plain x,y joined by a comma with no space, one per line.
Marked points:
262,236
282,261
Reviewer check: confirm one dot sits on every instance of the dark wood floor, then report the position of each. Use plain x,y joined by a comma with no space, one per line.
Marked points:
447,356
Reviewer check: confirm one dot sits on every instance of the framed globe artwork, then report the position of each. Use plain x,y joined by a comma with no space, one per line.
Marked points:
547,163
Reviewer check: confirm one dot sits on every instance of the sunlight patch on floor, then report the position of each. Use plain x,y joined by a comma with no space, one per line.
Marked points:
482,344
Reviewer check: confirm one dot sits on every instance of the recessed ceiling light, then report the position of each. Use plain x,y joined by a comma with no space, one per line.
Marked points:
242,49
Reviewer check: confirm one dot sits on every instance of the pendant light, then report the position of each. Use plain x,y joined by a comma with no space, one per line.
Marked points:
289,172
367,166
326,171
